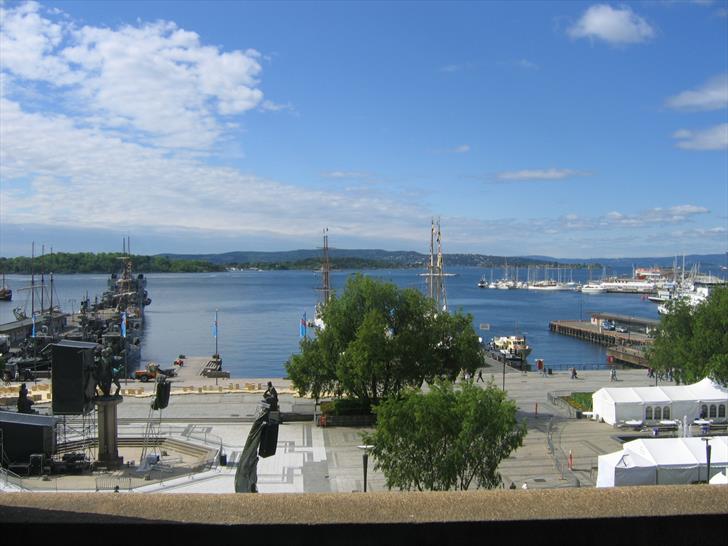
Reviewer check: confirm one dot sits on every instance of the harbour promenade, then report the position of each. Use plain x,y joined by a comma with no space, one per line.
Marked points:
217,413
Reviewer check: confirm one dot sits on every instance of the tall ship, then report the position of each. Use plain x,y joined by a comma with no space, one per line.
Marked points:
436,269
116,319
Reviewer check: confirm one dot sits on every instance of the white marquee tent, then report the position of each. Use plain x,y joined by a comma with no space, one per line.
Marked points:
617,405
650,461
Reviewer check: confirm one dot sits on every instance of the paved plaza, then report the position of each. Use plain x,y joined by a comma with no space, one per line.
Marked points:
310,458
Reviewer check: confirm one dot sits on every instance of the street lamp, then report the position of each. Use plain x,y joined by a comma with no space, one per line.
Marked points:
365,462
708,449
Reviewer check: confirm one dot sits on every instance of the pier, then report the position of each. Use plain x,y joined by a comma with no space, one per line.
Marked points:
630,355
594,333
623,347
19,330
633,324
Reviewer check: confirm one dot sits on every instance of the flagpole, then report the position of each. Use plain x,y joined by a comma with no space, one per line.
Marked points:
216,353
126,349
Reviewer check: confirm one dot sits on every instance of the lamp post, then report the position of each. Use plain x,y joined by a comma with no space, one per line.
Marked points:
365,462
708,449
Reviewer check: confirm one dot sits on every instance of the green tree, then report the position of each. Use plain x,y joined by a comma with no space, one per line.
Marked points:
694,341
379,339
447,438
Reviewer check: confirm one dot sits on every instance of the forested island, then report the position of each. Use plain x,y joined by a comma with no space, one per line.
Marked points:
108,262
103,262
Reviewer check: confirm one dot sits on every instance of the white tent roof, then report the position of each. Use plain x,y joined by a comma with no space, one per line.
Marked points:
679,451
705,390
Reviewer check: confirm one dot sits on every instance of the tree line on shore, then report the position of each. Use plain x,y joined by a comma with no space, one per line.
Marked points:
103,262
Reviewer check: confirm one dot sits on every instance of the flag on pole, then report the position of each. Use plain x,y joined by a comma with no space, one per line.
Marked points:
33,317
123,324
214,328
302,330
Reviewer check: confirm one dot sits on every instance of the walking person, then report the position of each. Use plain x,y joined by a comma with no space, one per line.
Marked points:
480,376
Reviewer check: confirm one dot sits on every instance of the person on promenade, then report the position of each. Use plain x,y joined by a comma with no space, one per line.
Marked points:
480,376
573,373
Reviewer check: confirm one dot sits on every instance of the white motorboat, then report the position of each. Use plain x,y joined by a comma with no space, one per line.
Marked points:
593,288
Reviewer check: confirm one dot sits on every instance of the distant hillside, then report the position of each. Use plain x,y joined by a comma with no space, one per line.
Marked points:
397,258
706,261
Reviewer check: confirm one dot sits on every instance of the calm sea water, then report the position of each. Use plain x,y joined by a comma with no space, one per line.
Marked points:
259,313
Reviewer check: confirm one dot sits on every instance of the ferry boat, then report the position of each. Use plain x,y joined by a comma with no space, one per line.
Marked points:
512,347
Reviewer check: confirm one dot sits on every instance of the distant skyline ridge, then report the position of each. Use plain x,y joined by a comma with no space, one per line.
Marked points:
452,259
556,128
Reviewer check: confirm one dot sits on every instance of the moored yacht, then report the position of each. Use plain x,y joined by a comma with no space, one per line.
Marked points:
593,288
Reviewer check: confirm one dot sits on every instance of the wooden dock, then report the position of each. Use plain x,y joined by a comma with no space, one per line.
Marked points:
200,366
594,333
630,355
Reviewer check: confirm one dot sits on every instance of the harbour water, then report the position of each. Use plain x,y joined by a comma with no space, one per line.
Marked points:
259,313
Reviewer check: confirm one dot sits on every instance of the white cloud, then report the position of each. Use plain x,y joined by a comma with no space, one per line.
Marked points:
57,174
155,80
543,174
713,138
525,63
612,25
713,95
677,214
461,149
271,106
345,174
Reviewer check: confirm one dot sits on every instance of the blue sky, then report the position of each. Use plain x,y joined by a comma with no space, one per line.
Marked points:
570,129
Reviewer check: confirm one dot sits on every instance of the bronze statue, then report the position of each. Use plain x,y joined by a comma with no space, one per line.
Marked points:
106,373
262,440
24,403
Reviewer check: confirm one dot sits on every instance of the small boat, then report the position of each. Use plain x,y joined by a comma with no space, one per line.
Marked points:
482,283
593,288
545,285
5,293
512,347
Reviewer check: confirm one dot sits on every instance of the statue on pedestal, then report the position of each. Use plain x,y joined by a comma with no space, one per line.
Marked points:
262,440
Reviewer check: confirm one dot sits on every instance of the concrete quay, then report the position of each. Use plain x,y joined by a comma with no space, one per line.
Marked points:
218,413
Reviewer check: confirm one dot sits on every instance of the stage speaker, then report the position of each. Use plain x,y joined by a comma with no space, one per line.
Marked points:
73,384
161,398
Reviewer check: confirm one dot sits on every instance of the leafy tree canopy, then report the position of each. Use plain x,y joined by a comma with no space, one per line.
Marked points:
694,341
379,339
447,438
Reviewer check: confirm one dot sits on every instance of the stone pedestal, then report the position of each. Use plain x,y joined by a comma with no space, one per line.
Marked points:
108,455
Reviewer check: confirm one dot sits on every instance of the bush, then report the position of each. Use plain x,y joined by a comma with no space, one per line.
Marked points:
346,406
580,400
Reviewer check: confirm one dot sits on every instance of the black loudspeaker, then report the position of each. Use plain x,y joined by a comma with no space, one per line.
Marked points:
73,384
161,398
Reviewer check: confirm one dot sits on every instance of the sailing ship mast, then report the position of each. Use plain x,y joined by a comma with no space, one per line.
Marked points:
325,271
435,268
